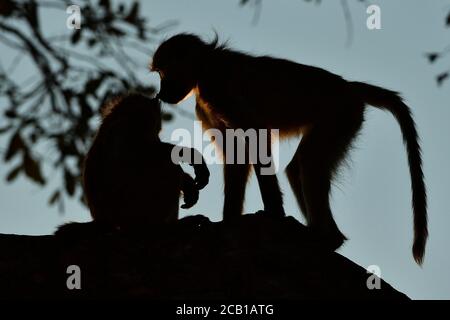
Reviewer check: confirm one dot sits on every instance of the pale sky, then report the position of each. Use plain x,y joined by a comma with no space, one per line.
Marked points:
371,201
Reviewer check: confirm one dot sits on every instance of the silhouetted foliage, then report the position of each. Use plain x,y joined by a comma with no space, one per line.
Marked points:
50,117
436,56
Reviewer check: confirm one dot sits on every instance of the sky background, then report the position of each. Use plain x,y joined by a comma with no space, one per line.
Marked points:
371,200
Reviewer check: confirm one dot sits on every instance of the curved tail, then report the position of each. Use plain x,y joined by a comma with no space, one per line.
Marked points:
391,101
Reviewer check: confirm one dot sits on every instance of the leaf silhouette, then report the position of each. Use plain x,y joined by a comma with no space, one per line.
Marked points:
5,129
7,7
11,114
54,197
432,56
69,181
16,144
92,86
76,36
133,14
441,78
105,3
165,116
33,169
12,175
62,70
92,42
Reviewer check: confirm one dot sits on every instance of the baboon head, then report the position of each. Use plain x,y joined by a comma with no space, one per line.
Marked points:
133,114
177,61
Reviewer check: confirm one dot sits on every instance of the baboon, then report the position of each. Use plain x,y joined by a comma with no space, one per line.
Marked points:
237,90
130,180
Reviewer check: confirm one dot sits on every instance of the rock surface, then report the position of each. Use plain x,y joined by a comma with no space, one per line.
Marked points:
256,258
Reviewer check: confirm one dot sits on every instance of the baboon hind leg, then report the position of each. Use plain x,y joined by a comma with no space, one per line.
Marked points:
322,151
293,175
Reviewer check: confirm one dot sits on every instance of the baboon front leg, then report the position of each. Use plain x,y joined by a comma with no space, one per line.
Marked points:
271,194
235,175
235,182
269,187
293,175
322,150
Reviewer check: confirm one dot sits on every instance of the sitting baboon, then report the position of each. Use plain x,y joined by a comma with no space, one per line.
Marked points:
240,91
130,179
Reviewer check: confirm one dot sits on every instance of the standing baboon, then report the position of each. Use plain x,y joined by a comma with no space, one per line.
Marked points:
237,90
130,180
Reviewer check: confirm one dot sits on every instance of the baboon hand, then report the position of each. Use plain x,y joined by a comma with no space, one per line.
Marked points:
190,191
201,175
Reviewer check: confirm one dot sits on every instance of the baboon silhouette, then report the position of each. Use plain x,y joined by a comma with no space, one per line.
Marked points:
237,90
129,178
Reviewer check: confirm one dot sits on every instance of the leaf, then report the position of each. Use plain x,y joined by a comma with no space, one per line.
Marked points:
133,14
68,95
34,137
7,7
86,111
116,31
92,86
69,182
142,34
16,144
441,78
76,36
5,129
61,204
12,175
33,169
166,116
11,114
121,8
55,197
83,200
105,4
91,42
432,56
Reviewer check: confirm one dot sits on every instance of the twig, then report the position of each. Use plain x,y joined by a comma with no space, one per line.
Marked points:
35,53
348,22
257,13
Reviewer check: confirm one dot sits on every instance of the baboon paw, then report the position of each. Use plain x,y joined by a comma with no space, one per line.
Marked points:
271,213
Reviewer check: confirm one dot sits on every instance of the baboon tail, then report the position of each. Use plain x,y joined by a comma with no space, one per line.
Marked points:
391,101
